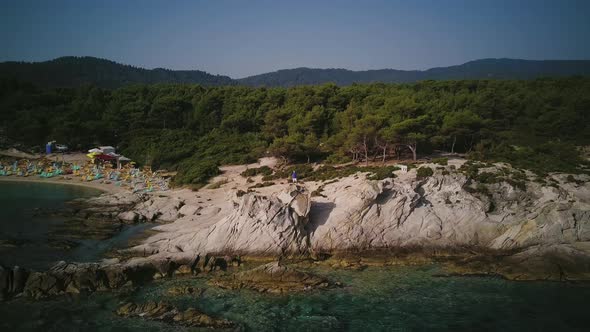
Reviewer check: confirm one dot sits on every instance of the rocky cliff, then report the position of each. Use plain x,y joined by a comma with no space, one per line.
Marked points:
449,209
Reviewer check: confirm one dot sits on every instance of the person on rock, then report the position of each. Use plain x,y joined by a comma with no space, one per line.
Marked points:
294,176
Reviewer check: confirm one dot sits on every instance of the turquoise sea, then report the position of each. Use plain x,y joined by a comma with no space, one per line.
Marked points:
376,299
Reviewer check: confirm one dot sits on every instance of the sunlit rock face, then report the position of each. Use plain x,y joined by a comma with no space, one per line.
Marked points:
257,224
445,210
440,211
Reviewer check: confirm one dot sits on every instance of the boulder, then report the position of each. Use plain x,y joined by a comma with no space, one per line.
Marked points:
41,285
129,217
183,270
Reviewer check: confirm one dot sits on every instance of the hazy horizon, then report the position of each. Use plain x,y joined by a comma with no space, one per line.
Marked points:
240,39
280,69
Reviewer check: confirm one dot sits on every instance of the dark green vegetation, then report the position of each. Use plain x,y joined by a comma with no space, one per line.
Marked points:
534,124
264,170
76,71
424,172
441,161
515,177
325,173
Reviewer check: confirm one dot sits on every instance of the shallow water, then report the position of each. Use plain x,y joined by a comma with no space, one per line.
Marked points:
26,239
377,299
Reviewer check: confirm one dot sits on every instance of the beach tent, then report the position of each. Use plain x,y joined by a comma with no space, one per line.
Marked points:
95,150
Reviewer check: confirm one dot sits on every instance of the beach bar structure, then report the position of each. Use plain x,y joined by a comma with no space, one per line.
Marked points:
107,154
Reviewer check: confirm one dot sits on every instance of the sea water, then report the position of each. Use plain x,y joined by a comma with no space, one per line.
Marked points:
29,236
376,299
399,298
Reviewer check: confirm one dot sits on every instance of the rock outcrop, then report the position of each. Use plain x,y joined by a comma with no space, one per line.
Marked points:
74,278
128,208
441,211
257,224
86,277
447,210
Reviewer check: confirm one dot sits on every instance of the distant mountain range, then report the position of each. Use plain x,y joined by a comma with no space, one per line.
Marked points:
74,71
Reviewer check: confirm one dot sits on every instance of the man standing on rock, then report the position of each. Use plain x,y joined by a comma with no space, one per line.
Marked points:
294,176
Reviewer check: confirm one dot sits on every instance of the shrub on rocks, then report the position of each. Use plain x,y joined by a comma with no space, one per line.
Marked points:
441,161
424,172
263,170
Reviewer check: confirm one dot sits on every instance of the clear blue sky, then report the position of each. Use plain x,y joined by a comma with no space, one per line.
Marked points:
245,37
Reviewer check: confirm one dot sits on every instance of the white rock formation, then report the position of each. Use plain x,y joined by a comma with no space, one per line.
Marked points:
257,224
437,212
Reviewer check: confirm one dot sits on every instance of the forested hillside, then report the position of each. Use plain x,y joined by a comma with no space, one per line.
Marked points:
77,71
535,124
479,69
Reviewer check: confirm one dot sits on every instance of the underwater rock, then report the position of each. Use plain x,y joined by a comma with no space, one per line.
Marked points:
185,290
161,311
63,244
14,243
272,278
554,262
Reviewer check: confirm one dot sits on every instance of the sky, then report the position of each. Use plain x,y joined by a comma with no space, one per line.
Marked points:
239,38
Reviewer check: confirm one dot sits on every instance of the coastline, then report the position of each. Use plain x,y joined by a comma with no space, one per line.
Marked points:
105,188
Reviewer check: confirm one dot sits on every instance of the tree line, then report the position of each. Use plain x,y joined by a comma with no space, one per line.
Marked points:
536,124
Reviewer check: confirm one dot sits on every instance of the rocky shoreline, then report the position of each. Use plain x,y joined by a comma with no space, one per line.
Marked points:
466,224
